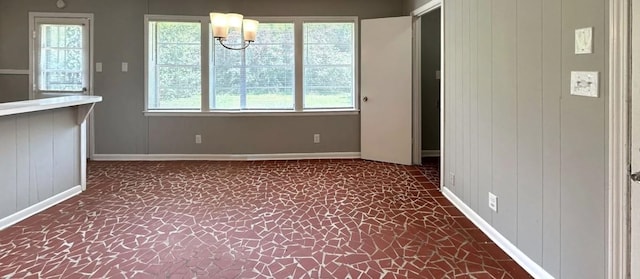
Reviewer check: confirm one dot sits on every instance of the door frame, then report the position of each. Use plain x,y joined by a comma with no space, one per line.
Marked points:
417,81
618,256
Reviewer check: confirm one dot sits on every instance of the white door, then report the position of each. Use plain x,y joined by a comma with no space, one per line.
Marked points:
635,141
385,93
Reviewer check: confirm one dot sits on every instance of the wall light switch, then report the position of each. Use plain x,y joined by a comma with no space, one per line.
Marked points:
125,66
438,75
99,67
584,40
584,84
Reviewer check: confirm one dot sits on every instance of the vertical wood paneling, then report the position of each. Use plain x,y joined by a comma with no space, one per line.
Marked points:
583,148
8,179
552,87
41,155
65,150
473,107
466,82
519,134
505,117
22,162
529,171
485,97
458,102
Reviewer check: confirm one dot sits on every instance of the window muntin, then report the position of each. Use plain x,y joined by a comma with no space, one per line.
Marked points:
261,76
329,65
174,66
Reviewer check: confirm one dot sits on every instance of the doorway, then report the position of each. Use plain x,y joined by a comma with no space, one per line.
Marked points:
428,98
430,25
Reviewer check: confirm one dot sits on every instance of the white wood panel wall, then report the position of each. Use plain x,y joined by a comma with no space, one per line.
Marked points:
39,157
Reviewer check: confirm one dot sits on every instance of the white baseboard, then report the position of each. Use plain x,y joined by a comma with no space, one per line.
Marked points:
521,258
430,153
225,157
38,207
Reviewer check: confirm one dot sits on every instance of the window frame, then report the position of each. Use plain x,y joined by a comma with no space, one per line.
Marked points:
298,106
38,18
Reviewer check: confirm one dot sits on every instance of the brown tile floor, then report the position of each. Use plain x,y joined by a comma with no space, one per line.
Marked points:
295,219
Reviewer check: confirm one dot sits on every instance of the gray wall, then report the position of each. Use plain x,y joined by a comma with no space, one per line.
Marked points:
40,157
430,85
410,5
513,129
121,127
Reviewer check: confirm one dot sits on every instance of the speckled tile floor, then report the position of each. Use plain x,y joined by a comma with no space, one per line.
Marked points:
284,219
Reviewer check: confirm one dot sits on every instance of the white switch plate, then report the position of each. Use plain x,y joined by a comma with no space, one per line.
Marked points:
198,139
584,84
125,66
584,40
99,67
493,202
438,74
316,138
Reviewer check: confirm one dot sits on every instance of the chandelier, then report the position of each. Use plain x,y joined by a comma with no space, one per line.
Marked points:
220,24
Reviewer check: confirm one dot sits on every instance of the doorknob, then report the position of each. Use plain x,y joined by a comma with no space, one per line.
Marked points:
635,176
365,99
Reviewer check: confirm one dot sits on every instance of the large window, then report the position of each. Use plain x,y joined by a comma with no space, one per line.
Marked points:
295,64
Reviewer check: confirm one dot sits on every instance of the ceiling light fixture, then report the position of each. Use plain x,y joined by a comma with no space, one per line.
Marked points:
220,24
61,4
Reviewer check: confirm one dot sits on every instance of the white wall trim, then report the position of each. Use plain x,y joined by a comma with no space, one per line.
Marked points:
618,260
225,157
429,6
521,258
430,153
13,72
36,208
245,113
417,90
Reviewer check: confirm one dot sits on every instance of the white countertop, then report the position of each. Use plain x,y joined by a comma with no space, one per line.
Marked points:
46,104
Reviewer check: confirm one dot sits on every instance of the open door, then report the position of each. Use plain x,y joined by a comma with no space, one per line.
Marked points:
386,53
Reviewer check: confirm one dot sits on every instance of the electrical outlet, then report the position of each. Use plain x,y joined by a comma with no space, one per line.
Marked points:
493,202
316,138
452,179
198,139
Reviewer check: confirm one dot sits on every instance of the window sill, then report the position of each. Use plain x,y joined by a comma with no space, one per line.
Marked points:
249,113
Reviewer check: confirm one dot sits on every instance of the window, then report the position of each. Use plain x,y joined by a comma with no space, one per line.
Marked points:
174,65
329,71
295,64
259,77
61,54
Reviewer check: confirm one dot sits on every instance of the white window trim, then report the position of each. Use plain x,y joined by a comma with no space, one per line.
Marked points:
32,47
298,94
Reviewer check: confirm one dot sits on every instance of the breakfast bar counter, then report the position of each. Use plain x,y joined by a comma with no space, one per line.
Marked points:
43,155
